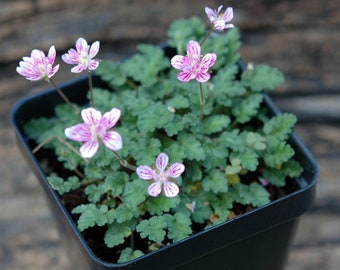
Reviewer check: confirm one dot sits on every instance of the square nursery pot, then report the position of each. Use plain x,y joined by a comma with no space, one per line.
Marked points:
259,239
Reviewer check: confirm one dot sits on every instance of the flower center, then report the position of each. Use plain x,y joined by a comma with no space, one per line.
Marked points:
83,58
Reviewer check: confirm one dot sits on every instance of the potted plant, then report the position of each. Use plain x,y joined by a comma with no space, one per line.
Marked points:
172,159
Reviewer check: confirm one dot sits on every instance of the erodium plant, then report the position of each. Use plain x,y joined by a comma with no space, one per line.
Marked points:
178,141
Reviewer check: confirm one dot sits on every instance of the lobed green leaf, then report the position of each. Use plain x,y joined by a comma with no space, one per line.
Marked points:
153,228
90,215
63,186
117,232
179,226
262,77
129,254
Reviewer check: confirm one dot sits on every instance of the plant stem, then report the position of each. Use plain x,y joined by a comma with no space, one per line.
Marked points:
206,36
132,241
39,146
202,101
124,162
91,88
74,109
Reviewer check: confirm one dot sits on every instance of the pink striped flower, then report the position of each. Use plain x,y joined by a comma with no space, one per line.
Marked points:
94,129
83,56
162,176
220,21
38,66
191,65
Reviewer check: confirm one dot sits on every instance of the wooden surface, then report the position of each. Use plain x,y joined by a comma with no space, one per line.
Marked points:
299,37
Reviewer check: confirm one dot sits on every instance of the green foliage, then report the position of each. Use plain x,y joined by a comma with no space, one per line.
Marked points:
256,141
215,123
64,186
234,167
191,146
225,153
134,193
129,254
156,116
144,67
280,126
112,73
278,175
262,77
179,226
91,215
278,153
183,30
247,108
116,233
215,182
161,204
153,228
253,194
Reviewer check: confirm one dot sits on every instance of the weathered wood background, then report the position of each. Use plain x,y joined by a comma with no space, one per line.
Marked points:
299,37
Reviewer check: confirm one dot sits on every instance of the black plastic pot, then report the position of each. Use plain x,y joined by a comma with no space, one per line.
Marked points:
259,239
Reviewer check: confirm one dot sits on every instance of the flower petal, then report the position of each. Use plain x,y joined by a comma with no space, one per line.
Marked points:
93,64
78,69
162,161
185,76
71,57
175,170
94,49
51,55
193,49
228,14
110,118
170,189
53,71
81,45
177,61
91,116
210,13
208,60
89,149
145,172
79,133
229,25
202,77
155,189
112,140
37,55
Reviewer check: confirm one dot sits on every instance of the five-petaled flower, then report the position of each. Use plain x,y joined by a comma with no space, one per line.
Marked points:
38,66
96,127
191,65
162,176
220,21
83,56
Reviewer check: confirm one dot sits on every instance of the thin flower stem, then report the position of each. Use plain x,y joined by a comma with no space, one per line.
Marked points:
38,147
74,109
206,36
91,88
202,101
132,240
124,162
